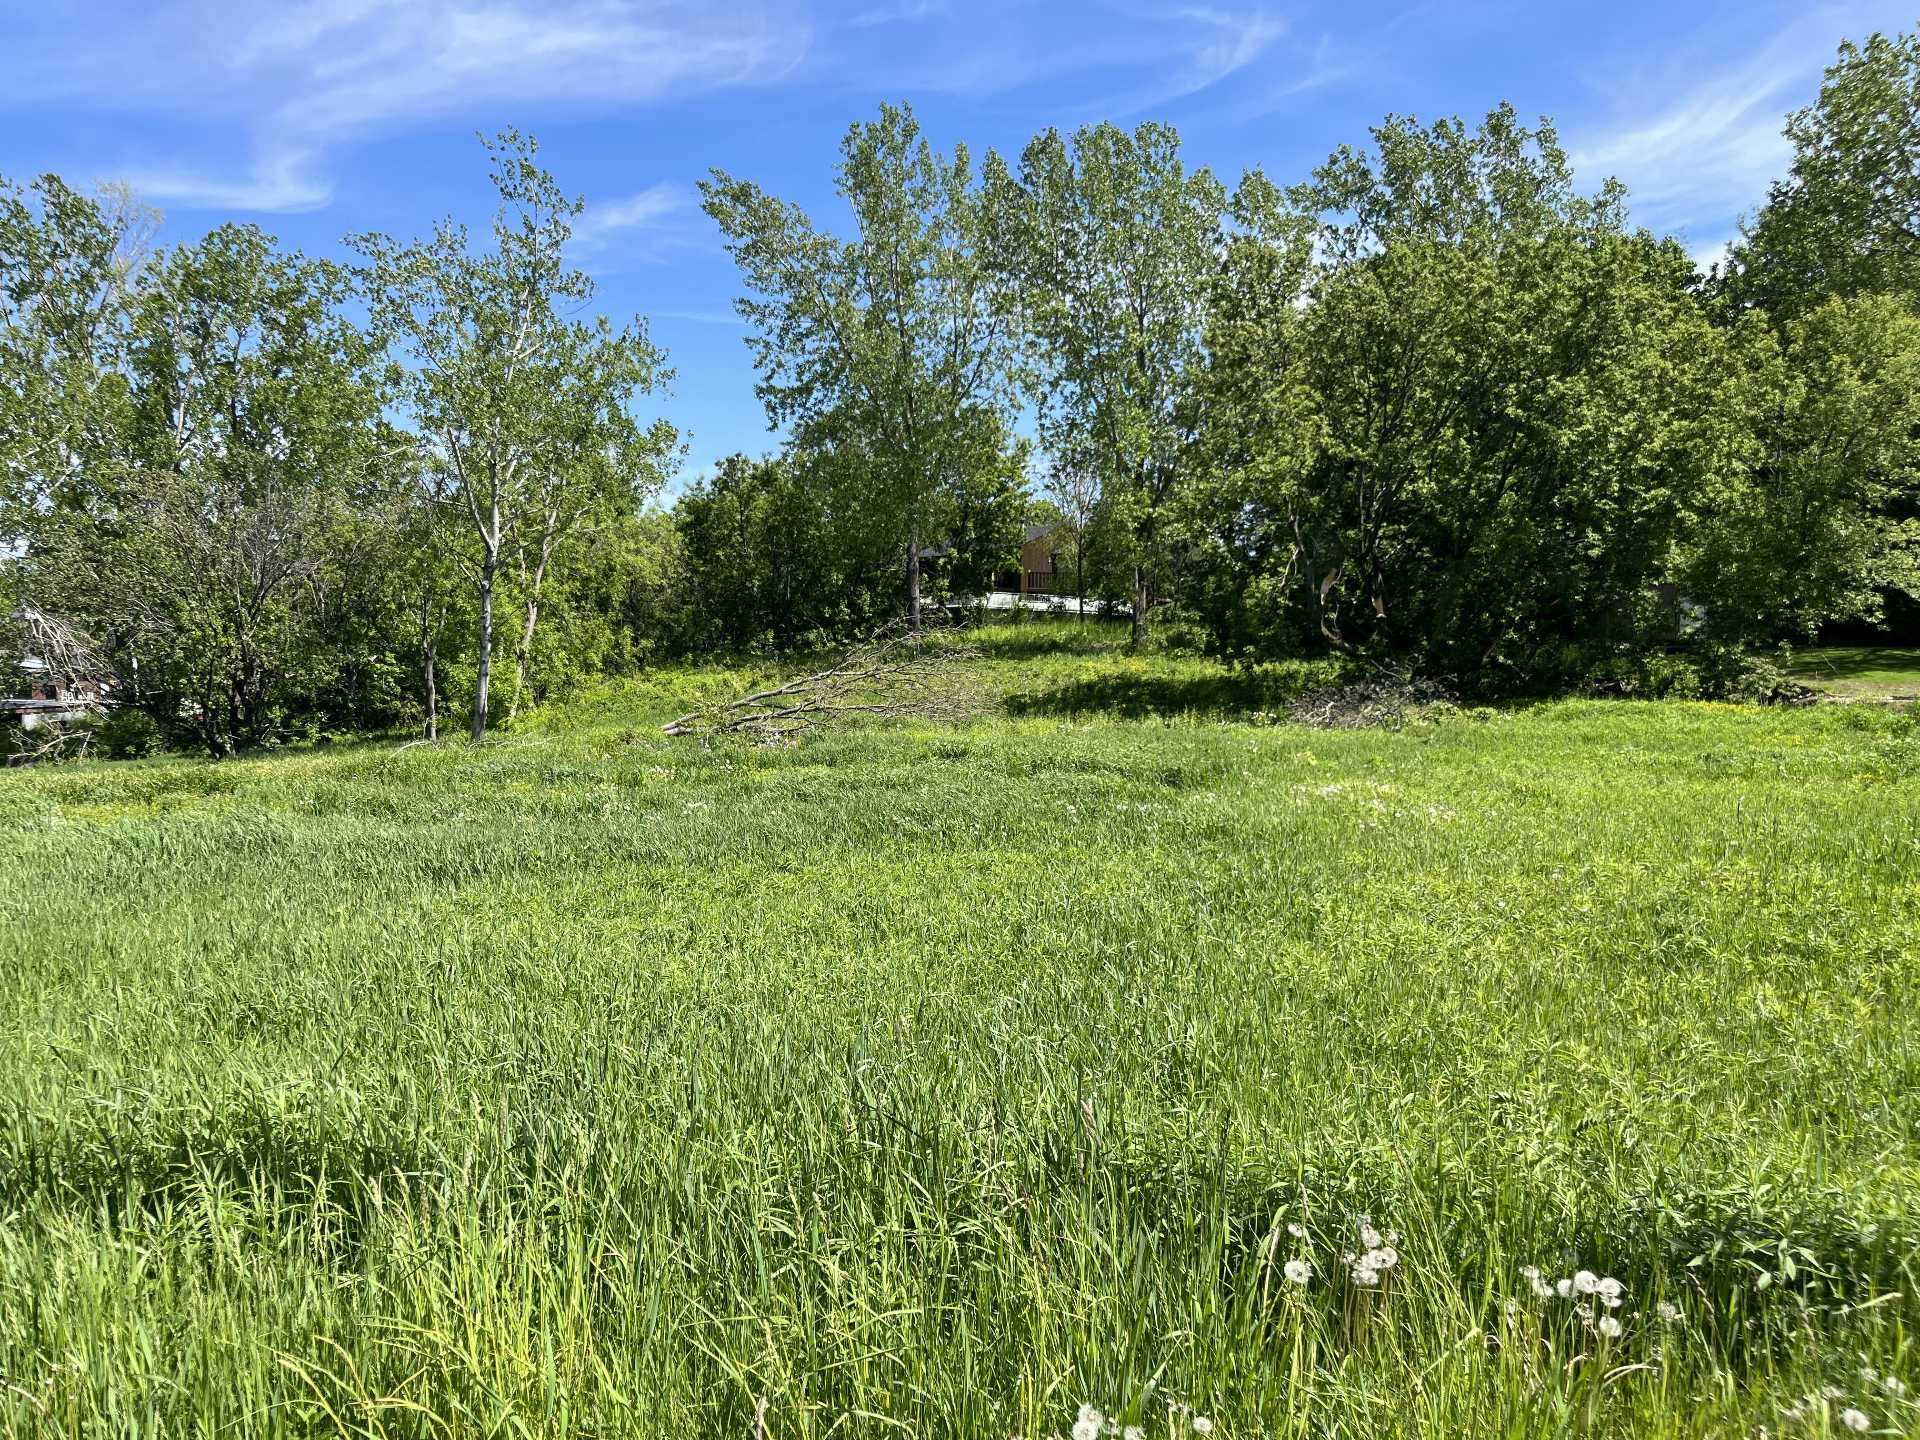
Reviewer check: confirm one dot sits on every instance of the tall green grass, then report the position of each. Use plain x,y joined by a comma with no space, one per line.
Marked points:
940,1081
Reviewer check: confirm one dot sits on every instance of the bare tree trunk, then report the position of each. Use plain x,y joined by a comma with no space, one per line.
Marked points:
523,653
913,578
482,682
1141,595
429,648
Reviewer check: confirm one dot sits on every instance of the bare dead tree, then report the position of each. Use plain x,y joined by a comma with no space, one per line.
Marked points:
61,646
894,673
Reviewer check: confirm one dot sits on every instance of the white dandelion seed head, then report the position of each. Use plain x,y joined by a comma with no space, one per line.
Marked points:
1585,1282
1088,1424
1296,1230
1543,1289
1610,1290
1832,1392
1134,1432
1584,1311
1370,1238
1383,1258
1365,1275
1393,1237
1530,1272
1669,1311
1856,1420
1299,1271
1893,1385
1563,1288
1202,1425
1609,1327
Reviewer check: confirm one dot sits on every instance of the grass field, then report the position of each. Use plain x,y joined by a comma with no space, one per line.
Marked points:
1860,672
940,1081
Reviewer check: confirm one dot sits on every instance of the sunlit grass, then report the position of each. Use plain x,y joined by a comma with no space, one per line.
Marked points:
1860,672
952,1079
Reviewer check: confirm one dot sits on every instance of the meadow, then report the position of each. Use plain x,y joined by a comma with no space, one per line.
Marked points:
947,1079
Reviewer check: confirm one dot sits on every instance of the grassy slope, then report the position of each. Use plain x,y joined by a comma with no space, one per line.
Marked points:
595,1084
1860,672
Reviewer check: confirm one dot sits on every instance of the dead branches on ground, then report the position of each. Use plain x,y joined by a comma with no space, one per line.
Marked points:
893,674
1386,700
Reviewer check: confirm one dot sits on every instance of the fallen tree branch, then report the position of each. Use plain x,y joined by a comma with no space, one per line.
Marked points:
49,746
894,673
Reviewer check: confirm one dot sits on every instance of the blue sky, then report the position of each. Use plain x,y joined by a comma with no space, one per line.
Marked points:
320,118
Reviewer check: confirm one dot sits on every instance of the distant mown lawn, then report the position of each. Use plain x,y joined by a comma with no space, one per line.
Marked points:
1860,672
938,1081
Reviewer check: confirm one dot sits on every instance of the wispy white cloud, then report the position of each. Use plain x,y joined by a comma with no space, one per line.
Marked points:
299,78
902,13
1159,56
279,182
1316,67
1711,152
1199,46
1223,43
600,225
1707,155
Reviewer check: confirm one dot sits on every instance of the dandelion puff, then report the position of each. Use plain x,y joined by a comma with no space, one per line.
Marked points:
1609,1327
1299,1271
1855,1420
1530,1272
1669,1312
1893,1385
1370,1238
1543,1289
1563,1288
1296,1230
1088,1424
1134,1432
1365,1275
1585,1282
1202,1425
1832,1392
1383,1258
1610,1291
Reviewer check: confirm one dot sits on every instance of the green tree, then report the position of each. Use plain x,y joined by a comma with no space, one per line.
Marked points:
1846,220
67,267
1823,519
1249,518
527,412
776,556
1114,243
1520,398
895,338
212,554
